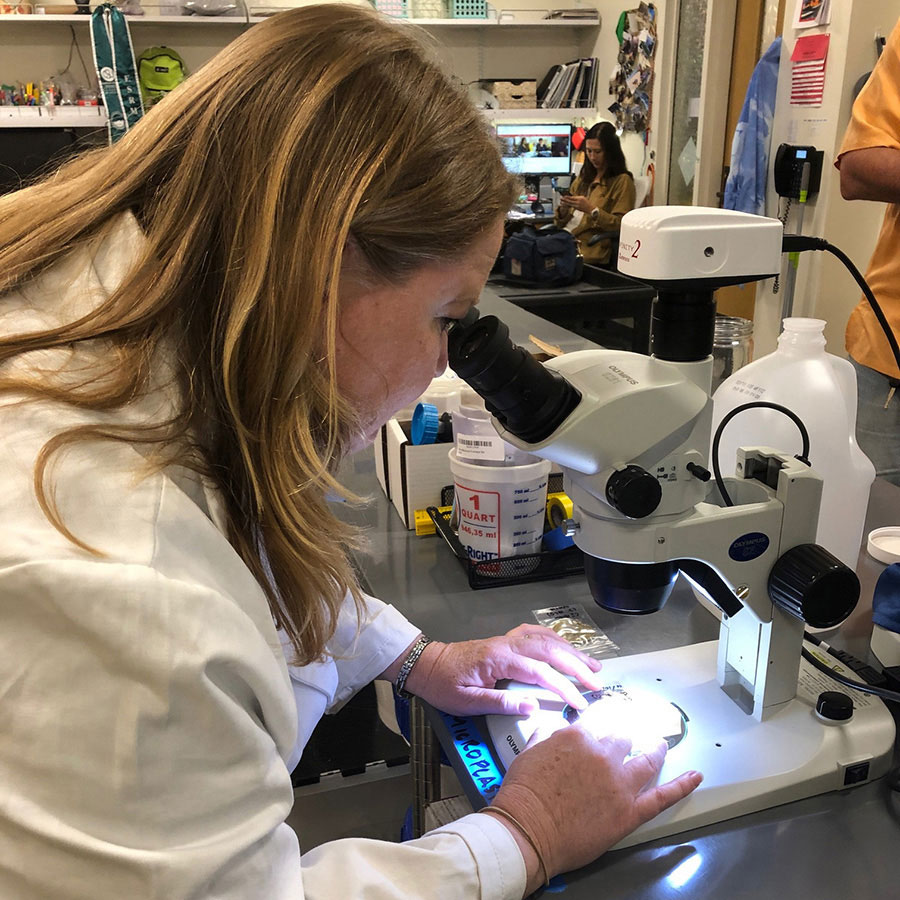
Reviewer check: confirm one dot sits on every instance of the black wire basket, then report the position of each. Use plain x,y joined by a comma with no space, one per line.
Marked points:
506,570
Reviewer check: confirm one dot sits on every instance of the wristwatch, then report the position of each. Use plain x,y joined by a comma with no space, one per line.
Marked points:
411,659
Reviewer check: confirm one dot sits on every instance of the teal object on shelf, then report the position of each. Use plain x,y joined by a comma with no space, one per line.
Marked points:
468,9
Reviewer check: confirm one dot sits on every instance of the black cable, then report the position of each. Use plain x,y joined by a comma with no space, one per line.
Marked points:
867,291
794,243
883,693
756,404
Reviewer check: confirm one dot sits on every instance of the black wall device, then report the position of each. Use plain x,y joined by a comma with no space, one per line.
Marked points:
797,171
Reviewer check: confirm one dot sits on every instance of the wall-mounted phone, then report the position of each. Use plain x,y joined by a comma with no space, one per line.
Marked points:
797,171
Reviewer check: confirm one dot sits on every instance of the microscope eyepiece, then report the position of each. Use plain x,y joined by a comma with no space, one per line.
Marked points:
529,400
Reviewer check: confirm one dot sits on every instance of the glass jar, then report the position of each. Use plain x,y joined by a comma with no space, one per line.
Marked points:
732,347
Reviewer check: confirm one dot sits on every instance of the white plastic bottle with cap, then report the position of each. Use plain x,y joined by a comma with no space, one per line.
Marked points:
821,389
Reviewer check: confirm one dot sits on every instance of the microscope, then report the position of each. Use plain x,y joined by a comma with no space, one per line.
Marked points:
631,434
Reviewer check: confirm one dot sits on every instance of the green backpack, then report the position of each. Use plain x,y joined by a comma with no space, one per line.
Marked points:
160,69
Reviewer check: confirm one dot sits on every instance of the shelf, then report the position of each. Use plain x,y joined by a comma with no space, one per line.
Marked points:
242,20
135,20
504,23
555,114
52,117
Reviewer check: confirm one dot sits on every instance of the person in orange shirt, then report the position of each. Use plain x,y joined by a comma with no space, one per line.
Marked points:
869,163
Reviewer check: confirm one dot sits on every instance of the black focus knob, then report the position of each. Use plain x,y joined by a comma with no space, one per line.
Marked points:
813,585
835,706
633,491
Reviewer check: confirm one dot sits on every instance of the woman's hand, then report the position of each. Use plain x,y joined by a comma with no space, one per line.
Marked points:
576,201
461,678
577,795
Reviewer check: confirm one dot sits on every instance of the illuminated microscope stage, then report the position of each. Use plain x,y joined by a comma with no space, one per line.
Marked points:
747,765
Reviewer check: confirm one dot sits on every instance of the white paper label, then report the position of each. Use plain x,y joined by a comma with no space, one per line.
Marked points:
480,446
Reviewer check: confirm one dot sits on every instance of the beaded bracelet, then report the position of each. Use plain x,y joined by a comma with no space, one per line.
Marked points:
408,663
511,818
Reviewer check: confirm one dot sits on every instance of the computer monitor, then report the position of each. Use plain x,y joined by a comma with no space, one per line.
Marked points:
536,149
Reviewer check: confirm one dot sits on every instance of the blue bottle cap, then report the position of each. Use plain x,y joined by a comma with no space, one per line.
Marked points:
425,424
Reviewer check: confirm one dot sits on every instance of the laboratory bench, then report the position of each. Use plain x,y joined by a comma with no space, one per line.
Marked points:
604,306
837,846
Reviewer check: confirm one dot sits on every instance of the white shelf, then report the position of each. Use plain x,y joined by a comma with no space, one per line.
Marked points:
52,117
134,20
495,23
241,20
554,114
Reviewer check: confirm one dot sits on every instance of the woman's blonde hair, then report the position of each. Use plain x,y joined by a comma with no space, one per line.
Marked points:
323,125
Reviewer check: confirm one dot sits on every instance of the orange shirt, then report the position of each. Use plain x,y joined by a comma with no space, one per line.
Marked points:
875,122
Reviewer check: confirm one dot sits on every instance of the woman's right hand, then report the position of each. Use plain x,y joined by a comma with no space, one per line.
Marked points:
577,795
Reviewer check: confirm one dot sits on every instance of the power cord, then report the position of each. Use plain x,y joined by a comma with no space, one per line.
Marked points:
757,404
853,663
863,670
796,243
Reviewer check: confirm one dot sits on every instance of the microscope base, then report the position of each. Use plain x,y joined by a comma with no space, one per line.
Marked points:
747,765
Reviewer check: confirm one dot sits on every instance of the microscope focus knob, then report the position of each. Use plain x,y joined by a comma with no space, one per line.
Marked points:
633,491
813,585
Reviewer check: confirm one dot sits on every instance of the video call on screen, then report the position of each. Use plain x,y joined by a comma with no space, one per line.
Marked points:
536,149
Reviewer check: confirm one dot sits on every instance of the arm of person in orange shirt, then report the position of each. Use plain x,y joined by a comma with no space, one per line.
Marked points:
871,173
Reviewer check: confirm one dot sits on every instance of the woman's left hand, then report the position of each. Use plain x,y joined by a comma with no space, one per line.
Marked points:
461,678
576,201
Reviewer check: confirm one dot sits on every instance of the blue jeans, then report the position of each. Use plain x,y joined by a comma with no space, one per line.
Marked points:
877,428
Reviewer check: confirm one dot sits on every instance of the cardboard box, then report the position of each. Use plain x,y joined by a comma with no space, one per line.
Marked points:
411,476
515,94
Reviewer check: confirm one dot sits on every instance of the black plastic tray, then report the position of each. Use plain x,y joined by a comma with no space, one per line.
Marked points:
508,570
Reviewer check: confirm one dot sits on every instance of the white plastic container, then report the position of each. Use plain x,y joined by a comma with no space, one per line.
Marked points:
821,389
443,393
500,509
475,438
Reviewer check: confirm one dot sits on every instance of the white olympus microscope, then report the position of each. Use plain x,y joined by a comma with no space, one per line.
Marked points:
631,434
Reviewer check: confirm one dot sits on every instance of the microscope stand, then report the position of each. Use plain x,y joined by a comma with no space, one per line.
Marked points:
747,765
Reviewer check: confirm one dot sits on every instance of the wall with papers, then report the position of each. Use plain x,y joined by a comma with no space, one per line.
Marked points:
814,109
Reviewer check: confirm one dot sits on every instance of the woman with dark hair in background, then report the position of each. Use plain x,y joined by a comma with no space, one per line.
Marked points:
601,194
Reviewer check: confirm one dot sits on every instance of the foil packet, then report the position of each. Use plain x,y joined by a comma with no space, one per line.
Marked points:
570,621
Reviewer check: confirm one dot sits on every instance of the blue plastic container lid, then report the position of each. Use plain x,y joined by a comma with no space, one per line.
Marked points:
425,424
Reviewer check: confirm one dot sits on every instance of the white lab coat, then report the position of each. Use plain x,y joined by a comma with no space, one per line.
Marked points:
148,720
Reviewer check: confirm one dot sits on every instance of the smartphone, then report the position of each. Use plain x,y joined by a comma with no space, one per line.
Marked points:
563,192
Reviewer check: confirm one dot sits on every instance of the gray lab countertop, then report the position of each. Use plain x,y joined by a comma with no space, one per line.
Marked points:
839,846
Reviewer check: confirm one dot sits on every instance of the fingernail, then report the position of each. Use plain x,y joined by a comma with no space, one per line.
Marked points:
527,707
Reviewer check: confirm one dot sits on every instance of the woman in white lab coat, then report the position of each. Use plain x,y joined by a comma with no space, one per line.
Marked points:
195,326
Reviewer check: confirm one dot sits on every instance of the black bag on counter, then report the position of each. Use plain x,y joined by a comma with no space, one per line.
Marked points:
542,258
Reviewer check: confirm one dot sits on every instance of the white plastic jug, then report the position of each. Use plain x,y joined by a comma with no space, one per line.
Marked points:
821,389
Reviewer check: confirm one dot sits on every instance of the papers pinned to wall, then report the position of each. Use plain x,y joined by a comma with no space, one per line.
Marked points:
812,12
808,70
